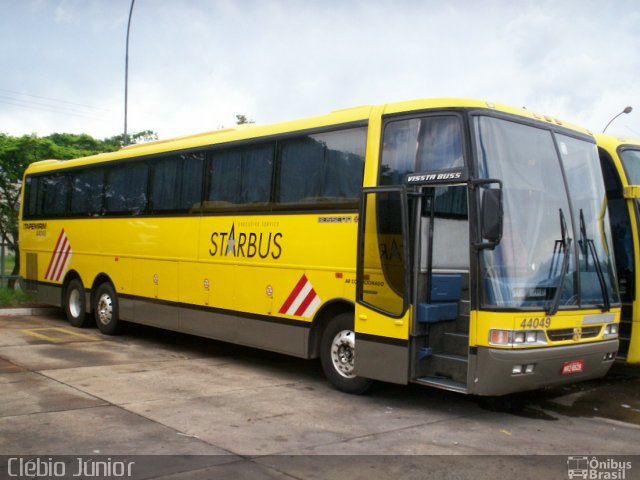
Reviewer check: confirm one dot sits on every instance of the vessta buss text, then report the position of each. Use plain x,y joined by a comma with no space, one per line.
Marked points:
246,245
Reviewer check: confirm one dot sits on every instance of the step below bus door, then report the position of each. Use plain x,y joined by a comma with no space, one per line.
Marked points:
382,319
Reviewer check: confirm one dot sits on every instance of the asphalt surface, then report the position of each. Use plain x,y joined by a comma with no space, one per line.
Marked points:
186,407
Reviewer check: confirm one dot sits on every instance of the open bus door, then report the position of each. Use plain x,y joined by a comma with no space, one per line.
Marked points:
412,312
382,315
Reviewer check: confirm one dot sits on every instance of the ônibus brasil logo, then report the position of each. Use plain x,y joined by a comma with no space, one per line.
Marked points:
594,468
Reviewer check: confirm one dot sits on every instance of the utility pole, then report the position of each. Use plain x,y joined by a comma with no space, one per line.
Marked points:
126,77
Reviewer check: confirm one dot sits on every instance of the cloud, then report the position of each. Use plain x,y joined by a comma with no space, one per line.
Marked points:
194,65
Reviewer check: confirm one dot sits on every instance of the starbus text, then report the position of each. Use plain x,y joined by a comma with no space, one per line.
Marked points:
246,245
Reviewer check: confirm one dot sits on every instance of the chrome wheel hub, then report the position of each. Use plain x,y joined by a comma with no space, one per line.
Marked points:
342,350
75,303
104,312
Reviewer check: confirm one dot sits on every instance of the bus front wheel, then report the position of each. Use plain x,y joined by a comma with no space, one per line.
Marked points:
106,309
74,304
337,355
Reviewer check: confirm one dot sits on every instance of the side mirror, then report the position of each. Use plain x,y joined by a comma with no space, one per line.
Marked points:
491,217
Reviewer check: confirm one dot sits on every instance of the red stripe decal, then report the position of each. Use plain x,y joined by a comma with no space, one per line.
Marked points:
305,303
63,257
292,296
59,254
54,256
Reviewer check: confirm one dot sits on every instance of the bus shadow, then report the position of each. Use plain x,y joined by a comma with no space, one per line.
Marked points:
615,397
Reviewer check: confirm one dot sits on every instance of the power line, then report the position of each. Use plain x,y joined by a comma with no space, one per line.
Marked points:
49,99
27,103
47,108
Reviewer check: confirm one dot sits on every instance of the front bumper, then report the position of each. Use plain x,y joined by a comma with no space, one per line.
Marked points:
491,369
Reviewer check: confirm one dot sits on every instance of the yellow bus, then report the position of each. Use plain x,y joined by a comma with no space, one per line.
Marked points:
448,242
620,158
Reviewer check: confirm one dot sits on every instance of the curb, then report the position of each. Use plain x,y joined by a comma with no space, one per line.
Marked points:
22,312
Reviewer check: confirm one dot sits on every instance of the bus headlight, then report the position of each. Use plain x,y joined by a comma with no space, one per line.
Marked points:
611,330
532,337
510,338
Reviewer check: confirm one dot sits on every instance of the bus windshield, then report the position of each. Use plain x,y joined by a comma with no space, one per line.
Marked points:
546,239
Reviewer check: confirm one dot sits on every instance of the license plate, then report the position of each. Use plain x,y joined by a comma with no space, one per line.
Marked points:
574,366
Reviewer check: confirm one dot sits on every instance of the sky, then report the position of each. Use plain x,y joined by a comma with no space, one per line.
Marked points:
195,64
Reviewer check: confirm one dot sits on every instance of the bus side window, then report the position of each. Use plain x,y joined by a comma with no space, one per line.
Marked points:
53,192
257,168
164,192
176,183
126,189
86,192
191,180
301,163
225,180
30,198
322,170
240,178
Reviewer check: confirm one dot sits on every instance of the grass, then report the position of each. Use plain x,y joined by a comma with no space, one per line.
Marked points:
12,298
8,296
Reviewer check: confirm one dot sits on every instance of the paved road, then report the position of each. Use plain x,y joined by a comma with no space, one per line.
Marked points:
253,414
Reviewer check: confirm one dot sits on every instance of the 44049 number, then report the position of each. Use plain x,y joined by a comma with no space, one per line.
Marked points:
536,322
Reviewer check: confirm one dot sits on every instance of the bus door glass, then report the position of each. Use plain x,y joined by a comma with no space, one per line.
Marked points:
382,254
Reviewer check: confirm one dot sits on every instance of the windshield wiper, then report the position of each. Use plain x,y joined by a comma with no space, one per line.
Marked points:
587,245
563,245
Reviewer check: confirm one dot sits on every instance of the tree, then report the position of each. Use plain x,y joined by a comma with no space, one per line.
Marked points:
133,138
243,119
16,153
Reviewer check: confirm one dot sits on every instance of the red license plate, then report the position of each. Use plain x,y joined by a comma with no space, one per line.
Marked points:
574,366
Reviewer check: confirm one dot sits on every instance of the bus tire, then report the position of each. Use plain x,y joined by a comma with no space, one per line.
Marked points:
337,349
106,310
75,304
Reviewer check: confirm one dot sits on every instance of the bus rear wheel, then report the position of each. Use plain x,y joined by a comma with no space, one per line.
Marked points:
74,304
106,310
337,355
